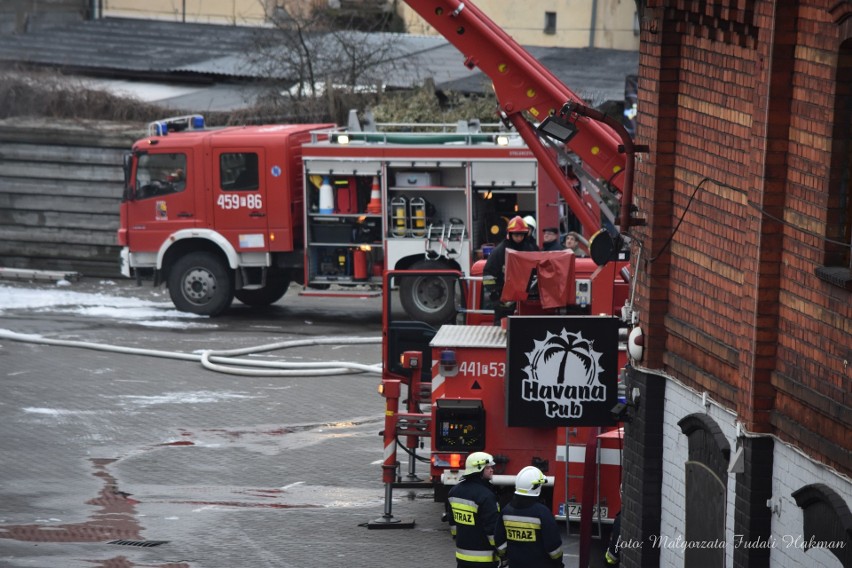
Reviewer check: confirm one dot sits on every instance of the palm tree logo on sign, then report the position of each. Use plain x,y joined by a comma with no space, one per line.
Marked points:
563,373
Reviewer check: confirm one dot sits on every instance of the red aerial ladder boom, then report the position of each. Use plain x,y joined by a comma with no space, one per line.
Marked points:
523,85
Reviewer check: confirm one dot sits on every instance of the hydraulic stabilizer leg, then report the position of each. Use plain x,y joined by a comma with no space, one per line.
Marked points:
390,389
387,520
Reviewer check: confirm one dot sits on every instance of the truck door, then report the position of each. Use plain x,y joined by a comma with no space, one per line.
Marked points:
239,197
162,199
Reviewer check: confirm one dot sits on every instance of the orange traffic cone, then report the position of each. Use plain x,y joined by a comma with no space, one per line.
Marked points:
375,205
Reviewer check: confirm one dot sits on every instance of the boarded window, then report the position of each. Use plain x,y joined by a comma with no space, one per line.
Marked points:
837,262
706,490
826,521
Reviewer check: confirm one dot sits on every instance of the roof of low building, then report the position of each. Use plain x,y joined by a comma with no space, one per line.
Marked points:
215,66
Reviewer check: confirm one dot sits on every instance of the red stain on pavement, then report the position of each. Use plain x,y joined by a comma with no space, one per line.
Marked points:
115,519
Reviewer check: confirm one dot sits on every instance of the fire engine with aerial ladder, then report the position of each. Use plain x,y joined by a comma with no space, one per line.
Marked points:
241,212
547,387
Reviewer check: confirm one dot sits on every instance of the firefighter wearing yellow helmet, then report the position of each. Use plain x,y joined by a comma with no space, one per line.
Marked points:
473,512
517,238
527,534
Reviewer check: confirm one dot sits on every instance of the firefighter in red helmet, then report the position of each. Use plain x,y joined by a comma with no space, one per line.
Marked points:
517,238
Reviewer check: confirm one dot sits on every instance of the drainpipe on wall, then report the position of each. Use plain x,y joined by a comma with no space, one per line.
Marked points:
594,23
96,9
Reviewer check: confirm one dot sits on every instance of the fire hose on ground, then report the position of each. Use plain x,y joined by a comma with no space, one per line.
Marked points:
223,361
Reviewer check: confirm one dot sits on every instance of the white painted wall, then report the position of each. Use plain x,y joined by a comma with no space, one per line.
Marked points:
614,22
792,471
226,12
579,23
681,402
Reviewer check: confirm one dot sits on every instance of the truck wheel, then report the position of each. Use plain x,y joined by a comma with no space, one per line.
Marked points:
277,283
429,299
202,284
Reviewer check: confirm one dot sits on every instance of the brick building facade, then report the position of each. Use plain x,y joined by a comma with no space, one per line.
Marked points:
741,436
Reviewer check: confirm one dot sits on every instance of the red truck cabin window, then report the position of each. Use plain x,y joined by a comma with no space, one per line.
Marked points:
239,171
160,174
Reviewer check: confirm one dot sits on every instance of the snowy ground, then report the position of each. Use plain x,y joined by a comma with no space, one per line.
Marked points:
102,299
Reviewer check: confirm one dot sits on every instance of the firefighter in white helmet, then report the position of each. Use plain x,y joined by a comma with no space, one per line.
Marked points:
517,238
473,512
527,534
530,221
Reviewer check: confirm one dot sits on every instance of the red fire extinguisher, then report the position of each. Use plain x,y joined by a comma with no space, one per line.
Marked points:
359,264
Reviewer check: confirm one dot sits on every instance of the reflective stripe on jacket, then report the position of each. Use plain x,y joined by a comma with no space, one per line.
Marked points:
473,513
527,534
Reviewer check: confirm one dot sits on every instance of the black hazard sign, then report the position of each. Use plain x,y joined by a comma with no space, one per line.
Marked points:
561,370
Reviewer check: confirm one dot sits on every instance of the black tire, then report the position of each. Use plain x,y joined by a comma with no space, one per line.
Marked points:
201,283
277,282
429,299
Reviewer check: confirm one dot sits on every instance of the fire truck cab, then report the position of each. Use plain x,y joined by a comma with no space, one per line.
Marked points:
215,213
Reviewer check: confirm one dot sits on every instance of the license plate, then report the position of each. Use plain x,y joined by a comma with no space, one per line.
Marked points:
574,512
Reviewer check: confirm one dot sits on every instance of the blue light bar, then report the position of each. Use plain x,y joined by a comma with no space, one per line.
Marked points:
176,124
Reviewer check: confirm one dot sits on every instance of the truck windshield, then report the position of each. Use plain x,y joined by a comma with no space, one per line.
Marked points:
160,174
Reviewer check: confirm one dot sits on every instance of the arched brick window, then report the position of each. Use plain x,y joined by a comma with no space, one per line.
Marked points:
706,489
837,263
826,521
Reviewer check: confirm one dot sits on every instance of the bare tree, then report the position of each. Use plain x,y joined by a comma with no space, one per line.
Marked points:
314,46
322,58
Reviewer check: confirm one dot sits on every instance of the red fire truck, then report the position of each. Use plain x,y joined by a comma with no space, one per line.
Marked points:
545,388
243,211
523,391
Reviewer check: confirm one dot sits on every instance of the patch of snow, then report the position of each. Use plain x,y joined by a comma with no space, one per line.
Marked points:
198,397
130,310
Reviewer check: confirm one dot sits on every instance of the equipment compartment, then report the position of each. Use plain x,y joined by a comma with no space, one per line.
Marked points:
332,231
